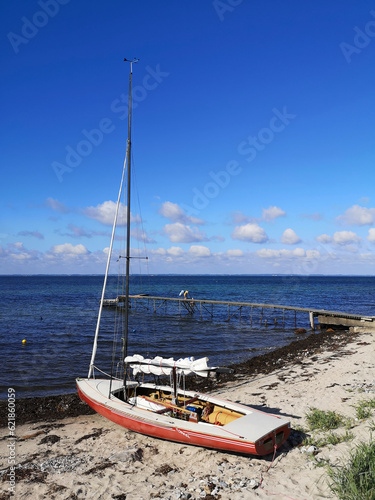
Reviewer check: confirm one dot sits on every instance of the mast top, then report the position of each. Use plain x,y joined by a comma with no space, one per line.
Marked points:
135,60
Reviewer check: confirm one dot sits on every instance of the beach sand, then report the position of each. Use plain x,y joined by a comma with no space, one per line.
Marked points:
61,453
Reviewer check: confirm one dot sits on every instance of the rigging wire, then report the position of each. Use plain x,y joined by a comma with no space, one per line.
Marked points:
141,252
141,233
119,324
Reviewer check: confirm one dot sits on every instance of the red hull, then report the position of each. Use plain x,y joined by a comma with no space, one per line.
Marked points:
181,436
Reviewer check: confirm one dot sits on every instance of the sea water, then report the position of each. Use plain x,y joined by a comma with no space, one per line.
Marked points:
56,315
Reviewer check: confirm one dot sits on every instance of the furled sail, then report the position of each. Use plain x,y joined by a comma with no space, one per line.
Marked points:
164,366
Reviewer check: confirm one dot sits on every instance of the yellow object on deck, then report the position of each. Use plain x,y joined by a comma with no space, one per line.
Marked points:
221,417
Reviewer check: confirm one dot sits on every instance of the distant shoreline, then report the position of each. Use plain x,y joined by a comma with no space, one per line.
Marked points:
201,274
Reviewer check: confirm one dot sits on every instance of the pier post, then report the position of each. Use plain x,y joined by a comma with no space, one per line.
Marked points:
311,318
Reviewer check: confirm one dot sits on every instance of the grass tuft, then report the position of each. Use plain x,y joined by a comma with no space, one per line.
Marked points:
326,420
364,409
333,438
329,439
355,480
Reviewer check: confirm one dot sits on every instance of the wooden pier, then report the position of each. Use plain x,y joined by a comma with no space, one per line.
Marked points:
252,313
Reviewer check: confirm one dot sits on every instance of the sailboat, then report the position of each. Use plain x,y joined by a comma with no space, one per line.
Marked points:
167,410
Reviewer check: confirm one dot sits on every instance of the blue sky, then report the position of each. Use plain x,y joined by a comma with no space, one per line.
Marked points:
253,135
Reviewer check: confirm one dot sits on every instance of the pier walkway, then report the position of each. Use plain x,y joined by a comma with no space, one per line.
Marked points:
251,313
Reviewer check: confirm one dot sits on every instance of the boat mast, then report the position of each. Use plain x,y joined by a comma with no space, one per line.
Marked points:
126,163
126,326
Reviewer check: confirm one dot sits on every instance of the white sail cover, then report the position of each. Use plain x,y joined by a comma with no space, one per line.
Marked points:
163,366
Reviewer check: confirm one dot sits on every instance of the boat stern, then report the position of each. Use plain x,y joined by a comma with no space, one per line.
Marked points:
273,440
266,431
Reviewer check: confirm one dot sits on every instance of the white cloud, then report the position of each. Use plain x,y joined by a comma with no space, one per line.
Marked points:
16,252
17,244
56,205
268,215
175,251
250,232
175,213
177,254
105,213
237,217
313,254
345,238
199,251
358,216
371,234
181,233
351,249
67,249
289,237
367,257
172,252
339,238
283,253
158,251
141,236
21,254
235,253
271,213
324,238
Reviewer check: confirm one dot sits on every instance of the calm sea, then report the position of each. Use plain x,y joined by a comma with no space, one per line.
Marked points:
57,317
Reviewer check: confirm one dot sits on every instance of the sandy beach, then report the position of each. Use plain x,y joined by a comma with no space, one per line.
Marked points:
84,456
